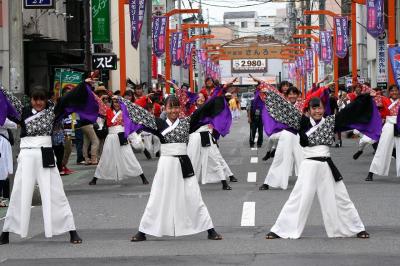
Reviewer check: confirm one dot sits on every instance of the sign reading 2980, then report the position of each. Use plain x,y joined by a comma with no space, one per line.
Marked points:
249,65
43,4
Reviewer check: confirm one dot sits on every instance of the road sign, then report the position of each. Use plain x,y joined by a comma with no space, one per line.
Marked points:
104,61
42,4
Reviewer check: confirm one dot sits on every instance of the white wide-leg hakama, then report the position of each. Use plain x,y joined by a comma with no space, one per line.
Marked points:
117,162
208,163
6,158
151,142
57,214
272,141
175,206
340,217
288,154
381,163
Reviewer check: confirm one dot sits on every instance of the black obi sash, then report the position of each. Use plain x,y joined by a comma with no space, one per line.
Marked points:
186,166
335,172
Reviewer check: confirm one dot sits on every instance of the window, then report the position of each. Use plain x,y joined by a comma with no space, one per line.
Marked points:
232,23
244,24
256,24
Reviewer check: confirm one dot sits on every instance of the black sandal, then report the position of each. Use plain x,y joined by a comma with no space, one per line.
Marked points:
75,239
93,182
272,235
213,235
263,187
232,179
139,237
5,238
363,235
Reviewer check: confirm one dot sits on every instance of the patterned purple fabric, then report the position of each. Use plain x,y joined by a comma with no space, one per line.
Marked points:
221,122
6,109
129,126
374,128
270,125
88,111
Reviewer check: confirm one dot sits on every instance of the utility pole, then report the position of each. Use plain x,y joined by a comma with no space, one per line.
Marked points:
321,17
149,41
292,18
88,54
180,28
16,47
199,31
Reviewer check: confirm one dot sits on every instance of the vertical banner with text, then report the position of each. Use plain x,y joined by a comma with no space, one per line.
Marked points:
136,14
342,37
159,29
394,55
326,46
176,48
375,19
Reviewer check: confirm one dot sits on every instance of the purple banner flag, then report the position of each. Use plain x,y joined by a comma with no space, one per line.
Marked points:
342,37
394,55
159,27
136,13
309,60
188,54
326,46
316,48
176,48
375,19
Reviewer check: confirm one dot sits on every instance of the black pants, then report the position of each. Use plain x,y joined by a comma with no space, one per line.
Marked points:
59,153
79,145
256,126
5,188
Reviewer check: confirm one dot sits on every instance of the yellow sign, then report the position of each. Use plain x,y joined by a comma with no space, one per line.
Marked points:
252,52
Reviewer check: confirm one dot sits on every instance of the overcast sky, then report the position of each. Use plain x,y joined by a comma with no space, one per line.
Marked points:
216,8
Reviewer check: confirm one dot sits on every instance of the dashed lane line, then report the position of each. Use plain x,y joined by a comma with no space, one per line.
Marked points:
248,214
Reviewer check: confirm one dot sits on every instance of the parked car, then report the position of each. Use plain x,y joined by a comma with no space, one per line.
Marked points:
245,99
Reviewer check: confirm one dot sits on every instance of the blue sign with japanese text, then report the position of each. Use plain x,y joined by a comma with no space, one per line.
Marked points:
38,4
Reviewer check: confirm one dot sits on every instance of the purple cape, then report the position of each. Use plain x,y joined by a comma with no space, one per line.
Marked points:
88,111
373,128
221,122
7,110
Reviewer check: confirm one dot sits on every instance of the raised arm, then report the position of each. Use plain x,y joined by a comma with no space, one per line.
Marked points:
361,114
80,100
136,118
10,106
215,112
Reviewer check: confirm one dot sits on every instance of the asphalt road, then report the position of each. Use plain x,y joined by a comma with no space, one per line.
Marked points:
108,214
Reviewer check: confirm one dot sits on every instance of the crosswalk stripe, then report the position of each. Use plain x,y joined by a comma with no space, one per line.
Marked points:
248,213
254,160
253,149
252,177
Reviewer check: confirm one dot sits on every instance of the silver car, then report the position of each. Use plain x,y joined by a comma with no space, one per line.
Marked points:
245,99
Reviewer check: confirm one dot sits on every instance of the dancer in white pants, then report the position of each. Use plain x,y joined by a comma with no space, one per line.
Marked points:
208,163
118,162
175,205
288,156
390,138
36,164
288,153
317,173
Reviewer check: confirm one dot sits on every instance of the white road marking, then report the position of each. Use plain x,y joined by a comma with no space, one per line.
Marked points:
253,149
252,177
248,214
254,160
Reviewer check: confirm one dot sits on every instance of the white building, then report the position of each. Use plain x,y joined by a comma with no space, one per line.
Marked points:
249,23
